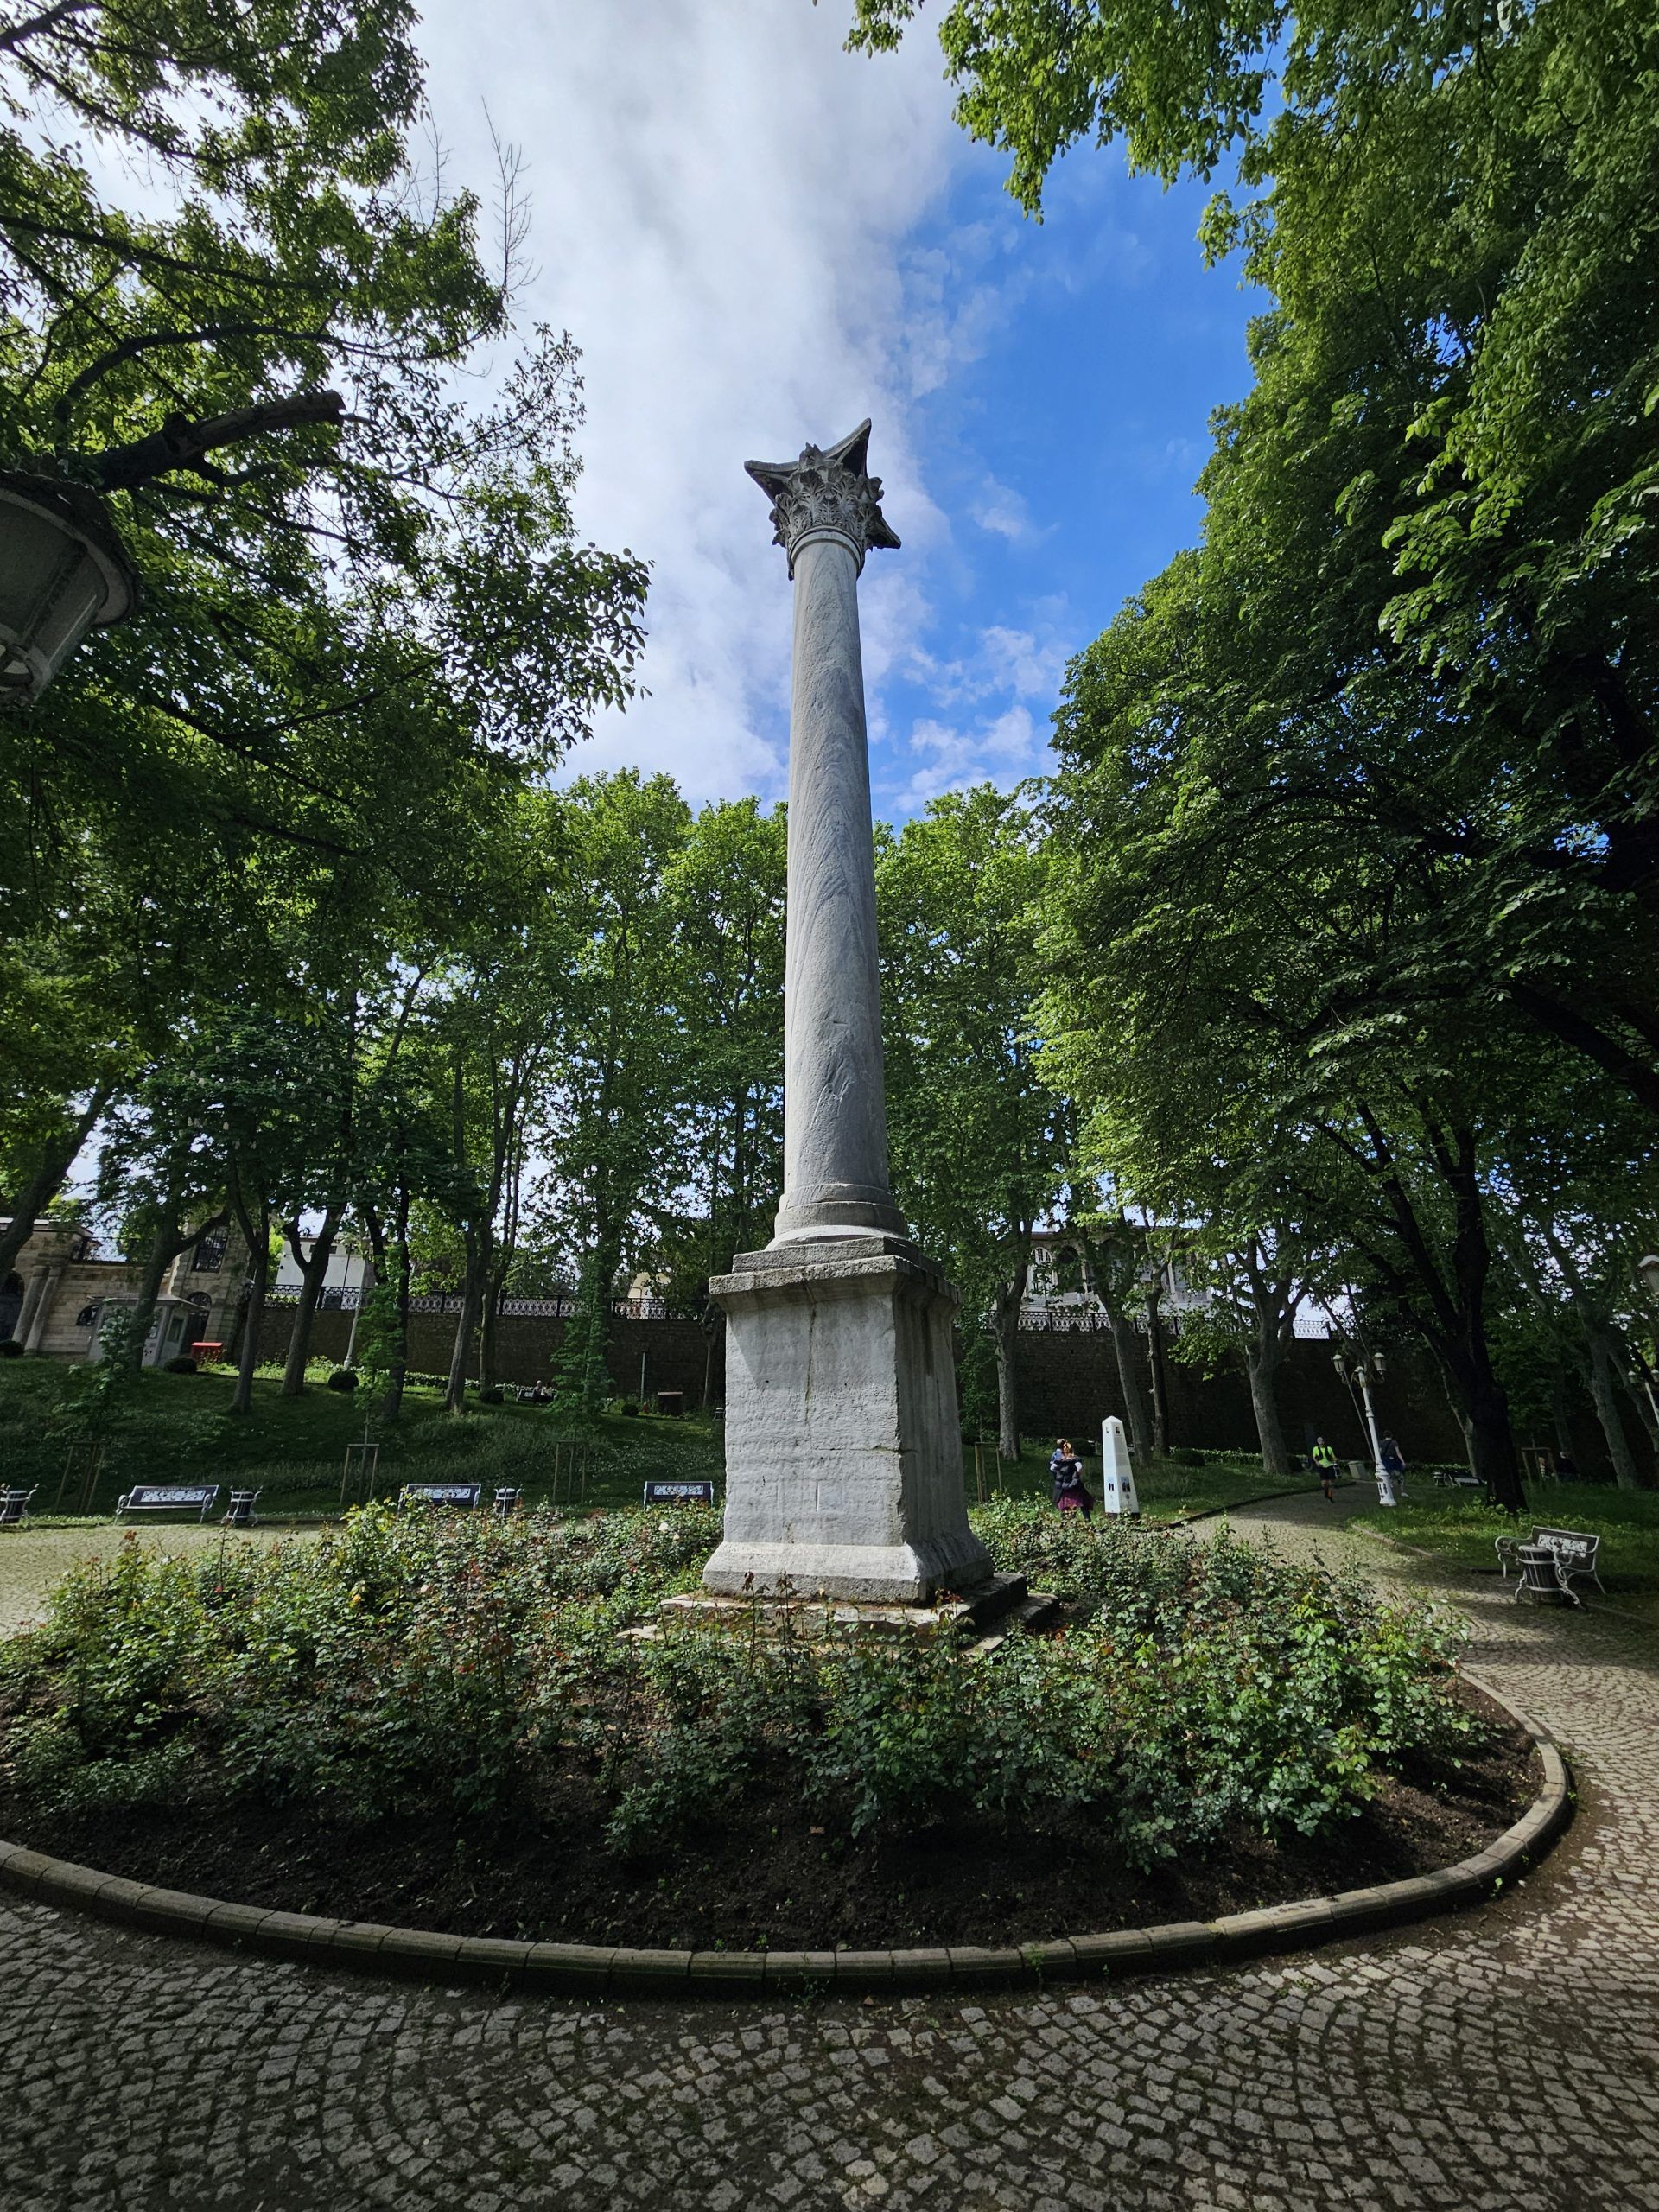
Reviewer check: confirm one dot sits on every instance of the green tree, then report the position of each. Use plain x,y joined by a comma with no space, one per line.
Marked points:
978,1139
1431,526
614,1122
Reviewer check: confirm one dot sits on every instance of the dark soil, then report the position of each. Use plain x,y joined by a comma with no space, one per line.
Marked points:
771,1875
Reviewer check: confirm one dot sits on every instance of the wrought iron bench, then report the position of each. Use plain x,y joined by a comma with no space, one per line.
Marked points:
464,1495
1570,1551
168,1497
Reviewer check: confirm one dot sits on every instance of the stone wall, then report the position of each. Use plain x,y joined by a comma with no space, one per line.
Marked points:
1067,1379
676,1352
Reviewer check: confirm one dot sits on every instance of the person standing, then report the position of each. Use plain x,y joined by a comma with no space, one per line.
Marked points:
1065,1472
1325,1460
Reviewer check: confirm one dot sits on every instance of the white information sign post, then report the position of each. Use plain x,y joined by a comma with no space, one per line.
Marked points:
1116,1471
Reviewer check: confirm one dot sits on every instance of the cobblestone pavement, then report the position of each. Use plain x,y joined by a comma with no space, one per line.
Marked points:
1502,2061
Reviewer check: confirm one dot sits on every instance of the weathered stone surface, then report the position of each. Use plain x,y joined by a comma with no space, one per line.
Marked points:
843,1450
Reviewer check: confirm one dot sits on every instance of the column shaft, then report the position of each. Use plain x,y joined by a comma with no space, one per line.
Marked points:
835,1117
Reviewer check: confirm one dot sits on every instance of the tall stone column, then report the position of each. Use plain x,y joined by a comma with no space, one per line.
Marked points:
843,1442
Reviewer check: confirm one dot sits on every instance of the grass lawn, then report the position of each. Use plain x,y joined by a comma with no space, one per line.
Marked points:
1170,1490
179,1428
1462,1529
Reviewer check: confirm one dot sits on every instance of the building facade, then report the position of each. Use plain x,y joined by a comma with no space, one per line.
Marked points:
61,1290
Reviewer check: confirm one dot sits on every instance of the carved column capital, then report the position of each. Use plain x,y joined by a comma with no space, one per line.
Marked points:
827,489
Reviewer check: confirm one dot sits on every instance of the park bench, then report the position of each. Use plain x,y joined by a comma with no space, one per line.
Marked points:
169,1497
14,1505
242,1514
464,1495
1568,1553
699,1493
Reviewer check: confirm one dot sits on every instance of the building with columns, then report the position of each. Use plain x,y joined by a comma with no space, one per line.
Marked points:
56,1300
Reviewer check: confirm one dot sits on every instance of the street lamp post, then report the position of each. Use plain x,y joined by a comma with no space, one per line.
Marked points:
62,572
1365,1372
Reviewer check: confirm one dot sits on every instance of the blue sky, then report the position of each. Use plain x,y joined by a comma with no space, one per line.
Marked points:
757,238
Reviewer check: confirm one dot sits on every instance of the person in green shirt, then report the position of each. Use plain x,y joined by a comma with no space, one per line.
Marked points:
1325,1460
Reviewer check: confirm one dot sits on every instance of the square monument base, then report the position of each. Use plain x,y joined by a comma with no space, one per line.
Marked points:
843,1444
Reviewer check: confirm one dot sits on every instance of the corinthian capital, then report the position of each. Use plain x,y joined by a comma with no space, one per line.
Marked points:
829,489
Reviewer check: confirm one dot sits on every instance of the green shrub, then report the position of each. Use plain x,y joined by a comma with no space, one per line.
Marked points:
343,1378
182,1365
404,1662
11,1349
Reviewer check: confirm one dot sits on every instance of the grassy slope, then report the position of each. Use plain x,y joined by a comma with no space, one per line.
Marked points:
181,1429
1462,1529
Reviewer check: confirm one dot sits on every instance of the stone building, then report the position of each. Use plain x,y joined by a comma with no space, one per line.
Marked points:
56,1298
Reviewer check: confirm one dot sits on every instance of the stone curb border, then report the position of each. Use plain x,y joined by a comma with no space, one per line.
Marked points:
582,1969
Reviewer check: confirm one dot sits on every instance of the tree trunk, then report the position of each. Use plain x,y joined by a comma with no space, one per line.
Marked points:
54,1160
471,1299
164,1249
399,1365
1640,1386
711,1319
489,1343
312,1269
1262,1365
255,1224
1605,1397
1128,1384
1492,1445
1160,1376
1005,1334
1558,1414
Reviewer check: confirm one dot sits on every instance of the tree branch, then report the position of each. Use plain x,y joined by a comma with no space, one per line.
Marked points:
180,444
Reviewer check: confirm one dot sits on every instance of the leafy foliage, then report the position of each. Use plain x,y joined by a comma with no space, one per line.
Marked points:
409,1661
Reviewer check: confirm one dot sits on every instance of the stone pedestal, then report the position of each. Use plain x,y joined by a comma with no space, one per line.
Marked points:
843,1449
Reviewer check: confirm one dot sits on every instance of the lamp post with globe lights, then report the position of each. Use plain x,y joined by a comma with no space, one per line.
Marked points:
1365,1372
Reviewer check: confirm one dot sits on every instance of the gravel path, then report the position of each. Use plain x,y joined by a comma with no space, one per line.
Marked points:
1502,2061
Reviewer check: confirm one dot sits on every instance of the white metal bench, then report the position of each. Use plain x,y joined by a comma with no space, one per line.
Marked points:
1574,1555
168,1497
462,1494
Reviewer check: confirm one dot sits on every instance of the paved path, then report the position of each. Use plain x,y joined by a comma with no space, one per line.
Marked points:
1504,2061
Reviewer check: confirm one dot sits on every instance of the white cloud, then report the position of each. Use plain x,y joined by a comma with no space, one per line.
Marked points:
1003,751
720,198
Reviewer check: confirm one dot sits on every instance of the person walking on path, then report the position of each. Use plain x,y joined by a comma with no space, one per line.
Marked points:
1325,1460
1394,1464
1066,1470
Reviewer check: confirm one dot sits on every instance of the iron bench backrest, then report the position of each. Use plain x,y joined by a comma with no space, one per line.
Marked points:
168,1497
463,1494
1574,1551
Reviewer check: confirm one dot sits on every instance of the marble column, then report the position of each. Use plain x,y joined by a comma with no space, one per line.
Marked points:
843,1444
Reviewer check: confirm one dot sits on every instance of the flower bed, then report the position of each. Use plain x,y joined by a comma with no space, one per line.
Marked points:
437,1720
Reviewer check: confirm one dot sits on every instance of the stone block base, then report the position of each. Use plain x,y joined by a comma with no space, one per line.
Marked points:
843,1444
824,1620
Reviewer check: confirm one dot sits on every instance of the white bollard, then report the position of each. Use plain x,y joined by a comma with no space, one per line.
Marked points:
1116,1471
